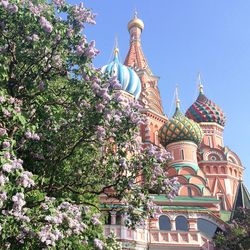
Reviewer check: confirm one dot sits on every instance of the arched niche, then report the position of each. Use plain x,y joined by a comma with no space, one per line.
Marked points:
223,170
187,170
189,190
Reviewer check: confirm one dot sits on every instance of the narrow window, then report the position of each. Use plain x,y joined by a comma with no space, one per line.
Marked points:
189,191
182,154
156,138
209,141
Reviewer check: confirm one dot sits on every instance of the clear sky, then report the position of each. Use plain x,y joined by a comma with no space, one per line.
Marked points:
182,38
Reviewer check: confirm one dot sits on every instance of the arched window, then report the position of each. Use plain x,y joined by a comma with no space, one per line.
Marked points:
207,228
164,223
181,223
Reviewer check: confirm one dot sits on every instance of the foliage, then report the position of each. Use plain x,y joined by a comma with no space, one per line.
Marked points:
238,235
67,134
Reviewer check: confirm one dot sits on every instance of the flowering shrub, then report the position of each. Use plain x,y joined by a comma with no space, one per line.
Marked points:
67,134
237,235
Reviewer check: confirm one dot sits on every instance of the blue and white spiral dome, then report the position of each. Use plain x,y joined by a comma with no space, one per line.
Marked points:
126,76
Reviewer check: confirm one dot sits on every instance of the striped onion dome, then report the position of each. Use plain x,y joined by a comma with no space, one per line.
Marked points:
180,128
126,76
204,110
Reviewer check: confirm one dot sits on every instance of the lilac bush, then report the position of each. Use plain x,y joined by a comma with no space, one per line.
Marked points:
68,134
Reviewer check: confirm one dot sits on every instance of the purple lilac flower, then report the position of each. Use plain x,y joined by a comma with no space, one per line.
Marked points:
4,3
100,107
6,155
35,9
35,38
46,25
6,113
99,244
12,8
25,179
3,179
2,99
17,164
100,132
70,32
59,2
3,131
91,51
7,167
19,202
95,220
6,144
31,135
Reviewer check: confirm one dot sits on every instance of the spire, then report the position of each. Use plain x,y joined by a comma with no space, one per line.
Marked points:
116,49
135,14
242,199
200,84
150,96
177,100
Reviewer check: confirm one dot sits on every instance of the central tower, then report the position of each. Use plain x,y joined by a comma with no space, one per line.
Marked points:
150,96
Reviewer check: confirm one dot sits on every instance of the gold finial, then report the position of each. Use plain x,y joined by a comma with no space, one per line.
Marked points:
116,50
177,100
136,22
200,84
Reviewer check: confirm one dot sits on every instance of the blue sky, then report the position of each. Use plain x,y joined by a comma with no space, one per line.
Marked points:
182,38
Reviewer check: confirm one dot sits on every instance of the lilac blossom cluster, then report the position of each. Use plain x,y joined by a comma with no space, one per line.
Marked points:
11,8
83,15
46,25
32,136
88,50
59,3
10,106
37,9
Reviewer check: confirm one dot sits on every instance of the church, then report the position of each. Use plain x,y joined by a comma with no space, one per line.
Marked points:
210,173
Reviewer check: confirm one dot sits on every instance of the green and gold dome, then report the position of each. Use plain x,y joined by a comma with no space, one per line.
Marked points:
180,128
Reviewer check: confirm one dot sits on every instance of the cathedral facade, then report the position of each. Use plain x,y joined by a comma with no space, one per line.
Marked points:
209,173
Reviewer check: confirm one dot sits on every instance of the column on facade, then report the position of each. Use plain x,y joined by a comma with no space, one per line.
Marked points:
113,217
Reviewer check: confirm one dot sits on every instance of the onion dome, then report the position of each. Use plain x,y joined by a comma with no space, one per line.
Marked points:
136,22
204,110
180,128
126,76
